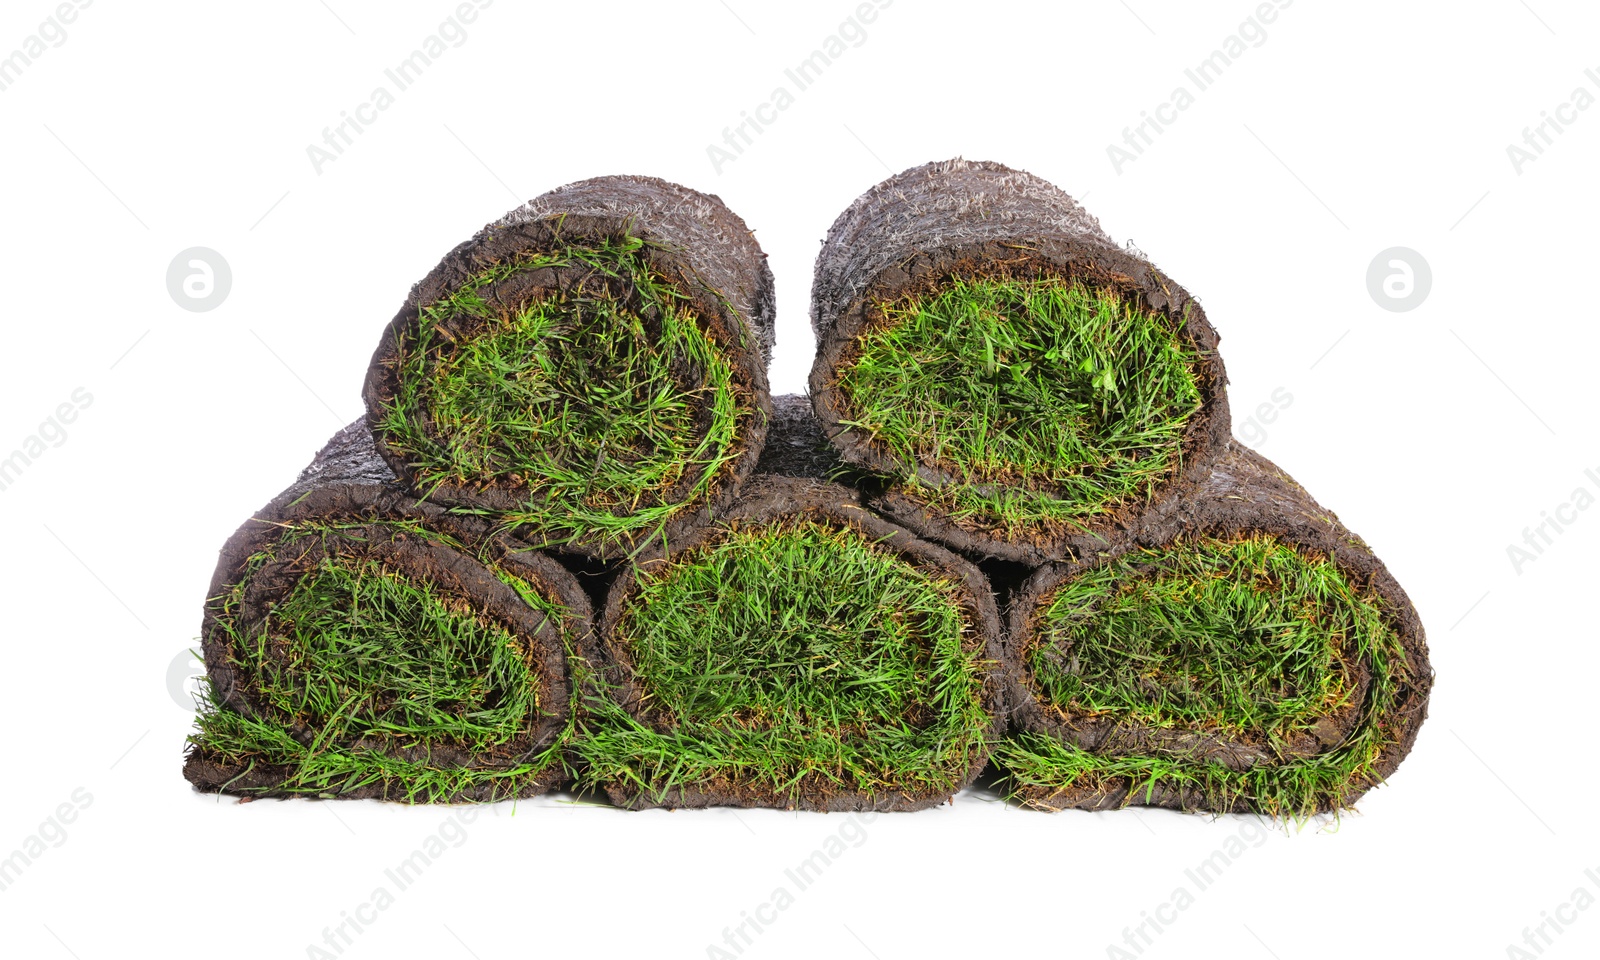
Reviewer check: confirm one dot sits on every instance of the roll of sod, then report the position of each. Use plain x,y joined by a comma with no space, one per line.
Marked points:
359,644
802,654
1243,653
1029,387
590,369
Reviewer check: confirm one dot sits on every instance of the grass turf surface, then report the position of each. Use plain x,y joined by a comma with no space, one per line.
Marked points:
1045,399
794,659
358,664
608,410
1246,639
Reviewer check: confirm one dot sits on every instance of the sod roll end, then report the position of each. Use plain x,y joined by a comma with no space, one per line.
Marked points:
359,644
1028,387
1243,652
802,654
590,369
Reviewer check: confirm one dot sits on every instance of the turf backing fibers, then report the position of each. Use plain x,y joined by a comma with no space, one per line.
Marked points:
800,653
1241,652
360,644
1029,387
590,369
797,447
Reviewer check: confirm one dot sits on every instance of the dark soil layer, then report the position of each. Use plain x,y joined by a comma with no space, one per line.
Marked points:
914,234
810,721
711,268
346,512
1062,756
797,447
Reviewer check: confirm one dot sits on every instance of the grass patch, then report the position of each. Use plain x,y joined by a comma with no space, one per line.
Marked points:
607,409
1249,640
1047,400
795,659
360,672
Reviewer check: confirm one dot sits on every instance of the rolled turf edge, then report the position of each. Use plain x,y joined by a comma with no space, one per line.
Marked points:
915,233
1058,757
346,519
619,293
723,719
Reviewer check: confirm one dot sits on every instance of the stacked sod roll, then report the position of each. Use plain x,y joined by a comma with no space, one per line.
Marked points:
800,653
362,644
1185,626
1027,387
1244,652
590,369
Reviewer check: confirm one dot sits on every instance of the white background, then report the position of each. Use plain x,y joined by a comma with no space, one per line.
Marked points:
1438,434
